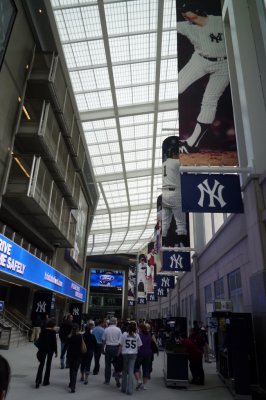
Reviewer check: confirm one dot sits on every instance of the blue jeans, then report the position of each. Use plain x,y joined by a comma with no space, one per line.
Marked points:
128,373
110,354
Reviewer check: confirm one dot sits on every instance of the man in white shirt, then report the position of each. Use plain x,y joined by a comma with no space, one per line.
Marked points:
111,340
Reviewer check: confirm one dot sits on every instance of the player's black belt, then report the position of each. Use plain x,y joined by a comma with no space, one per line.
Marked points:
214,58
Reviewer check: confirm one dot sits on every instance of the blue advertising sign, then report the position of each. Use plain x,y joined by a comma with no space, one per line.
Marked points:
215,193
176,261
2,306
131,303
16,261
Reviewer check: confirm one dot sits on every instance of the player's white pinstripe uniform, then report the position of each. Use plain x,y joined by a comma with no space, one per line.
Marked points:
171,198
208,41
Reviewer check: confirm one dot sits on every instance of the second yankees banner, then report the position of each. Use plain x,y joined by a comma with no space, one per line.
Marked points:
206,123
215,193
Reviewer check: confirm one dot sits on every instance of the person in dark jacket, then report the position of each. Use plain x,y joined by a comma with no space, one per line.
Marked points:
74,355
91,344
144,358
195,359
64,332
47,346
5,374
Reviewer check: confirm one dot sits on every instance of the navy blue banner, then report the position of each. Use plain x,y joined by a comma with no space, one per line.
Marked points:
161,292
131,303
152,297
176,261
215,193
16,261
165,281
142,300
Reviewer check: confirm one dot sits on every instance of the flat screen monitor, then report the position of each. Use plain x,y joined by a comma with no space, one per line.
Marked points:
106,280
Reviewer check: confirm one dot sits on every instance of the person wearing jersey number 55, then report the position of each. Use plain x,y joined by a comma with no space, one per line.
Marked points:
129,344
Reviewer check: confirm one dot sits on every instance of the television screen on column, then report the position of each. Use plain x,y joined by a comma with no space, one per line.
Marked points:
106,280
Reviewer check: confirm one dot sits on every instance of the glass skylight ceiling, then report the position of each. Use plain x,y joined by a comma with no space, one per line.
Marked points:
122,61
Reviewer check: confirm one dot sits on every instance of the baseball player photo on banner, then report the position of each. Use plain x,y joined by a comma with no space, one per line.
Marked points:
142,279
206,121
131,288
175,226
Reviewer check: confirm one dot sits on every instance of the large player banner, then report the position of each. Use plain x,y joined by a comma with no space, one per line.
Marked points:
175,225
206,123
142,279
213,193
132,283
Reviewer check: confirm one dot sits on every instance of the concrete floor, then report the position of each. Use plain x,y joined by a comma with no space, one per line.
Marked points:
24,365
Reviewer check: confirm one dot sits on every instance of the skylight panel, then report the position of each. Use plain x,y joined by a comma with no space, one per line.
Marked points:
81,54
101,238
124,248
111,135
127,133
124,96
168,69
119,220
135,234
119,48
97,52
93,101
112,248
102,78
91,21
74,25
140,94
105,98
76,82
110,123
147,234
81,102
69,56
116,17
99,171
87,80
100,222
122,75
60,22
143,72
117,236
116,158
141,15
168,115
142,46
129,145
94,151
126,121
98,250
168,91
169,43
169,20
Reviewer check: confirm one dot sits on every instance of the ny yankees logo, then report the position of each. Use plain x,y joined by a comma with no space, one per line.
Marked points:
160,291
165,282
141,301
217,38
41,306
151,297
205,188
75,311
176,262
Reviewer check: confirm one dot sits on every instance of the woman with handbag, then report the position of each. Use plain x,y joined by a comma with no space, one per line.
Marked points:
75,348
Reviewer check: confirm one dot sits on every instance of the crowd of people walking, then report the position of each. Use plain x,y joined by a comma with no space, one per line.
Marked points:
128,349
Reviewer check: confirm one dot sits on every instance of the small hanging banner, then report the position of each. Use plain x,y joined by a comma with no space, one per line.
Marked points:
176,261
215,193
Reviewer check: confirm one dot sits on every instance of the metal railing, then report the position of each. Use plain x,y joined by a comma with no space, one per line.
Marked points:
18,322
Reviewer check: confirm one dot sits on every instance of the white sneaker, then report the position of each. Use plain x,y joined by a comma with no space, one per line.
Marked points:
143,387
